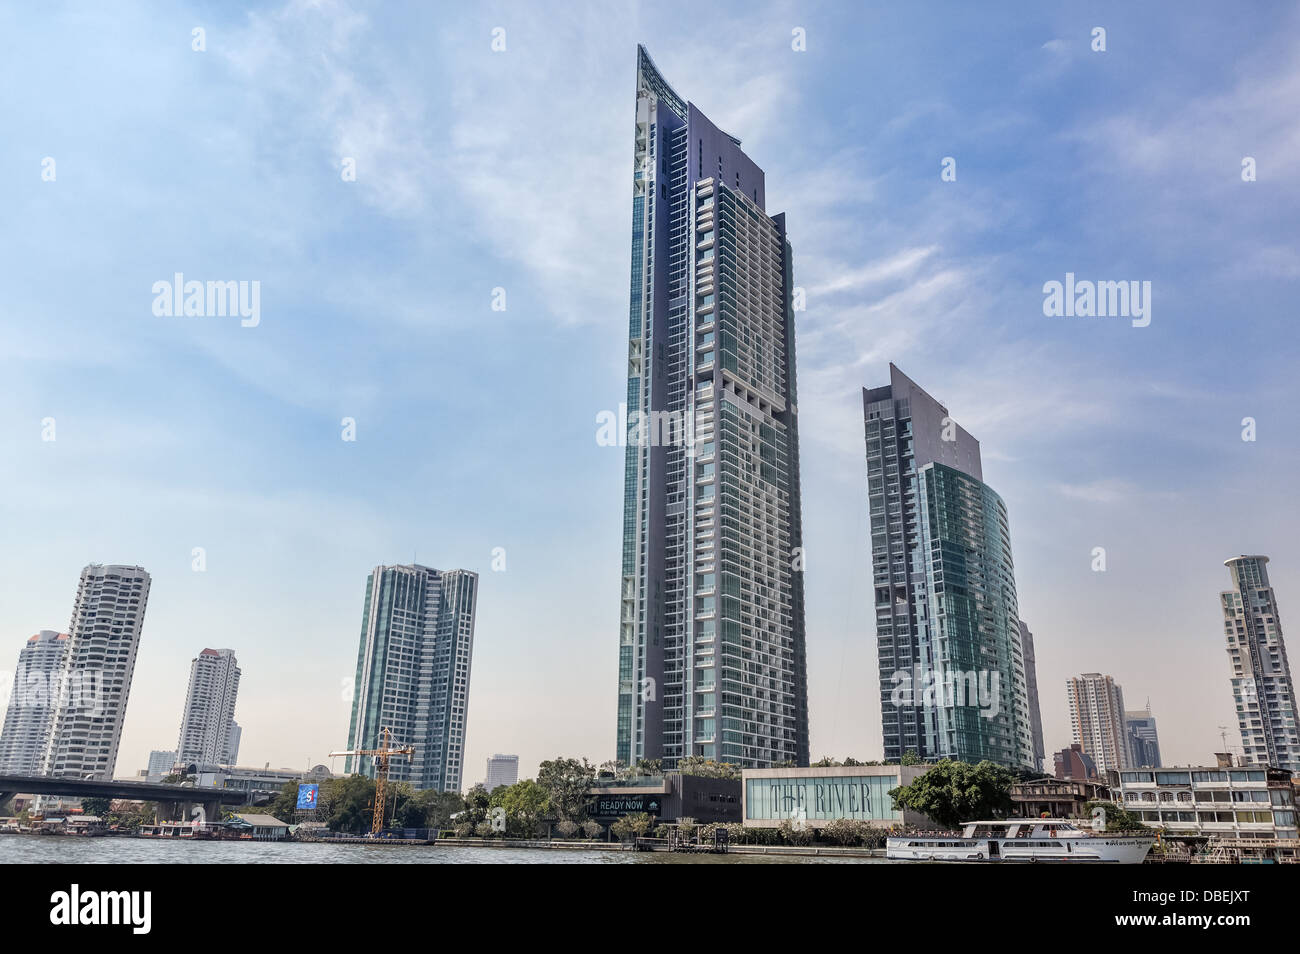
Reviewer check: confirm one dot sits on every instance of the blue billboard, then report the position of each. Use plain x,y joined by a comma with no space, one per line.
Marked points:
307,796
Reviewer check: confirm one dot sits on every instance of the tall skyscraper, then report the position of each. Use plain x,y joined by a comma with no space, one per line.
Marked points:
1261,675
1143,743
501,770
968,624
1031,688
104,636
29,718
906,429
413,667
1097,720
711,641
209,716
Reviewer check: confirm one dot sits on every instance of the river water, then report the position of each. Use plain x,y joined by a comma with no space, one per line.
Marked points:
55,849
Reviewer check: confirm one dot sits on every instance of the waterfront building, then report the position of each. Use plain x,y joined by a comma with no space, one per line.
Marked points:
1247,802
1261,676
711,639
208,723
1143,742
906,429
161,763
817,796
1031,688
29,717
104,637
1056,797
1074,763
968,624
1097,720
501,770
413,670
666,798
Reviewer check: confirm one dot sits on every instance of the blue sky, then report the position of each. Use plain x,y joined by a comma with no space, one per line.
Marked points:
479,170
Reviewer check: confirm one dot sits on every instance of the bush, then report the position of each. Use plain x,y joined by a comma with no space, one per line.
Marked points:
592,829
566,828
799,837
483,829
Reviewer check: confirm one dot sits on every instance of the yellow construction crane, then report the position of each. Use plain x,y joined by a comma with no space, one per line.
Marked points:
381,757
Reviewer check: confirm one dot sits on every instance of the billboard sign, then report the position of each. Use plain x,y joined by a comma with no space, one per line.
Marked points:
307,797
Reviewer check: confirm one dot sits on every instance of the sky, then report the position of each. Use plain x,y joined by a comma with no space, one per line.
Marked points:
504,176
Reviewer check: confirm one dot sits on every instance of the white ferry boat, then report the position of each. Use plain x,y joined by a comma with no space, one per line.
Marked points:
1022,839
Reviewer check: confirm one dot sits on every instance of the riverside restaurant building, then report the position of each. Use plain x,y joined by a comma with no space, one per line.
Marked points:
818,796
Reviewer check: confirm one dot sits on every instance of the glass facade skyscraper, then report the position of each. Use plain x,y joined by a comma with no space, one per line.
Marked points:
413,668
711,640
905,430
1261,676
968,623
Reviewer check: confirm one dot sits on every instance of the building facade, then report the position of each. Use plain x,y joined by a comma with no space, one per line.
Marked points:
1097,720
817,796
666,798
1031,688
1143,741
1074,763
711,639
501,770
1261,676
968,623
413,671
161,763
906,429
29,717
104,637
1249,802
208,723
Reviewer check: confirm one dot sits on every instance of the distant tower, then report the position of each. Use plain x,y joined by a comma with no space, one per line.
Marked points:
1031,689
1143,742
417,641
29,719
208,723
501,770
1261,676
107,618
1097,720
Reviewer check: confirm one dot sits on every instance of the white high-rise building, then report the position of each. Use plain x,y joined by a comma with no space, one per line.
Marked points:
29,718
1097,720
502,770
104,636
1261,676
413,668
207,727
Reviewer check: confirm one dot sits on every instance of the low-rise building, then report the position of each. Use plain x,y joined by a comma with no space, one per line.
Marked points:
1056,797
666,798
259,827
1247,802
819,795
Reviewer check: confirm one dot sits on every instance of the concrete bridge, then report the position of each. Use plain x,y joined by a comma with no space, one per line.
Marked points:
175,802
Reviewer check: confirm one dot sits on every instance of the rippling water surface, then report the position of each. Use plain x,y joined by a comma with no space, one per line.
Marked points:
50,849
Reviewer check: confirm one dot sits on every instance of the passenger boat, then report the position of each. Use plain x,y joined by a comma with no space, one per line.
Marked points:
1022,839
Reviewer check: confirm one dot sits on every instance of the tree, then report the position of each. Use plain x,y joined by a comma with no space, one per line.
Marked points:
592,829
428,808
646,767
349,803
524,803
638,823
566,783
910,758
98,807
825,761
954,792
